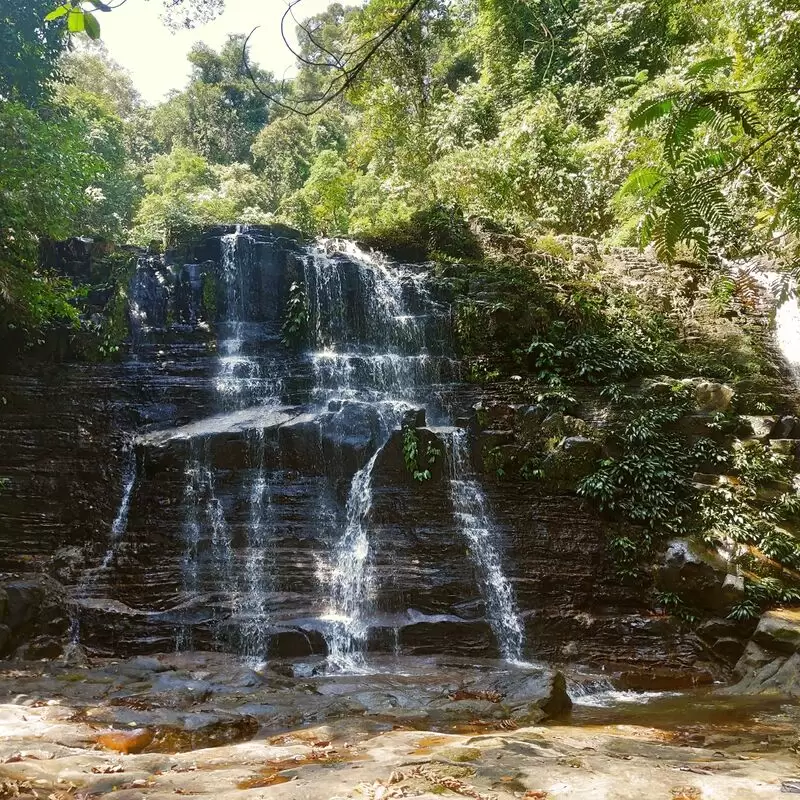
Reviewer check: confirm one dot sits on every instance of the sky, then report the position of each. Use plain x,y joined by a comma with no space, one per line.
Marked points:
137,39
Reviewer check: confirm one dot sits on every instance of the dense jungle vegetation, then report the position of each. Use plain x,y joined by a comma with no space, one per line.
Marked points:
653,120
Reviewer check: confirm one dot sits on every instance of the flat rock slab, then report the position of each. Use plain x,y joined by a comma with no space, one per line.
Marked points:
236,422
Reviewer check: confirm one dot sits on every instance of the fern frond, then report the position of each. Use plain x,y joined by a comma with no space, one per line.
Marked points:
708,66
644,182
681,128
652,110
730,106
700,160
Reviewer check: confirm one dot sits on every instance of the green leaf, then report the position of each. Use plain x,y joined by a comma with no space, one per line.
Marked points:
708,66
652,110
642,182
92,25
75,21
58,12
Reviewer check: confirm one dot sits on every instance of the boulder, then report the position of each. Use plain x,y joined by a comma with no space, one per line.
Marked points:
779,631
530,421
699,576
760,426
581,447
713,396
33,618
787,427
780,676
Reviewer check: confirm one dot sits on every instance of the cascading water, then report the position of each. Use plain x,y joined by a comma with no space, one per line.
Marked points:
117,532
251,602
352,579
240,382
373,350
379,347
787,331
474,524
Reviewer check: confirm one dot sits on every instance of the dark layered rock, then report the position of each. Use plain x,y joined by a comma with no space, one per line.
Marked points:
33,617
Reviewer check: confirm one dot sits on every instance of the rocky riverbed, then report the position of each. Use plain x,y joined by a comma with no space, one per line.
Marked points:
204,724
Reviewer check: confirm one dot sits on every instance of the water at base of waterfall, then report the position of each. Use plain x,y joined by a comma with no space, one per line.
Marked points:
475,525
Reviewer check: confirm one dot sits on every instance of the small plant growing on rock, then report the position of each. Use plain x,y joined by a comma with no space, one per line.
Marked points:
295,323
411,455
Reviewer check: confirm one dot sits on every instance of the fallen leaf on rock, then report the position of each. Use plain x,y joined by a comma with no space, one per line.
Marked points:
108,769
13,759
536,794
687,793
13,788
465,694
460,787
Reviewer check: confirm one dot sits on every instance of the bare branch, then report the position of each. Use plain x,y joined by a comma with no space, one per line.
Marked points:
345,73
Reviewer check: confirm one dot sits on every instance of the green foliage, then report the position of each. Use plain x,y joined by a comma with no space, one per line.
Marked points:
295,322
48,184
29,52
220,113
417,464
648,483
673,604
761,593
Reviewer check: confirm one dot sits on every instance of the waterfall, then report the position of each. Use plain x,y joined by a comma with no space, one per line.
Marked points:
370,346
379,346
787,314
352,579
475,525
203,512
117,532
251,603
787,332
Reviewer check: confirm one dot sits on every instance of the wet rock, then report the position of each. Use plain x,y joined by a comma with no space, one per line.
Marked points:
391,469
32,611
415,418
713,396
74,655
787,427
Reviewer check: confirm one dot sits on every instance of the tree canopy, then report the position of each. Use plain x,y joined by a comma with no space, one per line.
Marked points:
656,121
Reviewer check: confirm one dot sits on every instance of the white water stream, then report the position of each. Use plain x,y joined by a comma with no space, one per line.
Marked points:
475,525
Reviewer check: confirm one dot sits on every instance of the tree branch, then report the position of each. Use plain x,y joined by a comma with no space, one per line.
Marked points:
346,74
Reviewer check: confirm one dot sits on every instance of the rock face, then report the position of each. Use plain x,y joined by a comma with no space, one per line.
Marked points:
33,619
195,492
699,576
771,662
